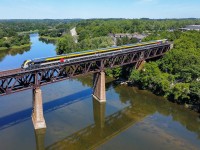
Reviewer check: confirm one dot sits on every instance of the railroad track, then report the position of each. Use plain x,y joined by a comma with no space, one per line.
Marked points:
9,72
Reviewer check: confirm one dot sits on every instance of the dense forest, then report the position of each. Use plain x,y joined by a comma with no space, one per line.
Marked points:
176,76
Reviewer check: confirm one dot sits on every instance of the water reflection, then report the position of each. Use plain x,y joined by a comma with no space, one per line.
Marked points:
152,104
99,113
103,129
40,138
13,52
47,41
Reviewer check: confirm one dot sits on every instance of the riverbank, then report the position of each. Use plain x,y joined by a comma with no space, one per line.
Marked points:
191,106
15,47
28,32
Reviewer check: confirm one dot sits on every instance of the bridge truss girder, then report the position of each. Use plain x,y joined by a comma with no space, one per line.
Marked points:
28,79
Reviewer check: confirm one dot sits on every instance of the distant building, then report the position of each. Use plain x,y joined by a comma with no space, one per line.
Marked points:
116,36
121,35
191,27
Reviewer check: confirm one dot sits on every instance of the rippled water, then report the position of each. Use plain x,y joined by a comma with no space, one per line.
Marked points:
130,118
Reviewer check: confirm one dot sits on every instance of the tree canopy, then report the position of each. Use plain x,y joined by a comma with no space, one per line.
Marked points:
177,74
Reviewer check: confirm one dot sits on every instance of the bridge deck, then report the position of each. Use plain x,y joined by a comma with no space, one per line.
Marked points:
20,79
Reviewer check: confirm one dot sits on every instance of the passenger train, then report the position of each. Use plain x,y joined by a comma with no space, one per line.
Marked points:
40,62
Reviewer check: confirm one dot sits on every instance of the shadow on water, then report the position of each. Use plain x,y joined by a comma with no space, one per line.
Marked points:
24,115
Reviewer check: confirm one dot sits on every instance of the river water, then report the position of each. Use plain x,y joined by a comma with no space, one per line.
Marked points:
130,119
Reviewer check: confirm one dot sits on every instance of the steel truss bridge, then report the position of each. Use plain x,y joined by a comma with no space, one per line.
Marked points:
17,80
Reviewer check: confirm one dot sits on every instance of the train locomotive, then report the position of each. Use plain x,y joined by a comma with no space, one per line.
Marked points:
40,62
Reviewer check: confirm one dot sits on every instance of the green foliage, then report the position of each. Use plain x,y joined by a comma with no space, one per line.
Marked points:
152,78
181,91
52,32
17,40
94,43
184,56
126,40
66,44
177,74
115,72
135,76
171,36
195,90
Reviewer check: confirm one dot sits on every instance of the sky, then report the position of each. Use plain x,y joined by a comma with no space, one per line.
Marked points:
85,9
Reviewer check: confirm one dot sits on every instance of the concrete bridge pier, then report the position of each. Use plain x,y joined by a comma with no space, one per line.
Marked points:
99,88
99,113
37,114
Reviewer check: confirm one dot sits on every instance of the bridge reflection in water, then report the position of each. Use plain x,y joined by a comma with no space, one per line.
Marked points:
103,129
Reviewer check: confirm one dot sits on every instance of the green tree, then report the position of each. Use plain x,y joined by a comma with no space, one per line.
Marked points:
195,90
181,91
66,44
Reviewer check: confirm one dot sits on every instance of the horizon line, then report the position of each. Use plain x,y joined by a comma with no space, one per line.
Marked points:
95,18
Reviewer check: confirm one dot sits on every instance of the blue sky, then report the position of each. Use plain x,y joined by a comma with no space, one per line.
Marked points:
62,9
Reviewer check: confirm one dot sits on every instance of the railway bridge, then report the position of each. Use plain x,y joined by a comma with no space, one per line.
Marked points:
17,80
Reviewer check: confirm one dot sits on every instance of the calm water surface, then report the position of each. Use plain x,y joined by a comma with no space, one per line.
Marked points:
130,119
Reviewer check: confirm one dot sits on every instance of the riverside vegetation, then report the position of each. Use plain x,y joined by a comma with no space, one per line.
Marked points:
10,38
176,76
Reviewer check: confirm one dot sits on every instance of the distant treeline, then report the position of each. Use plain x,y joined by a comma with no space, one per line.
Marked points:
88,29
93,28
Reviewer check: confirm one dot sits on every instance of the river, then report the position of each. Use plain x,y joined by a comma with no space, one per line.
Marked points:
130,118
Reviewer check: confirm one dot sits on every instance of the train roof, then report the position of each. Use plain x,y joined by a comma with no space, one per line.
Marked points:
85,51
